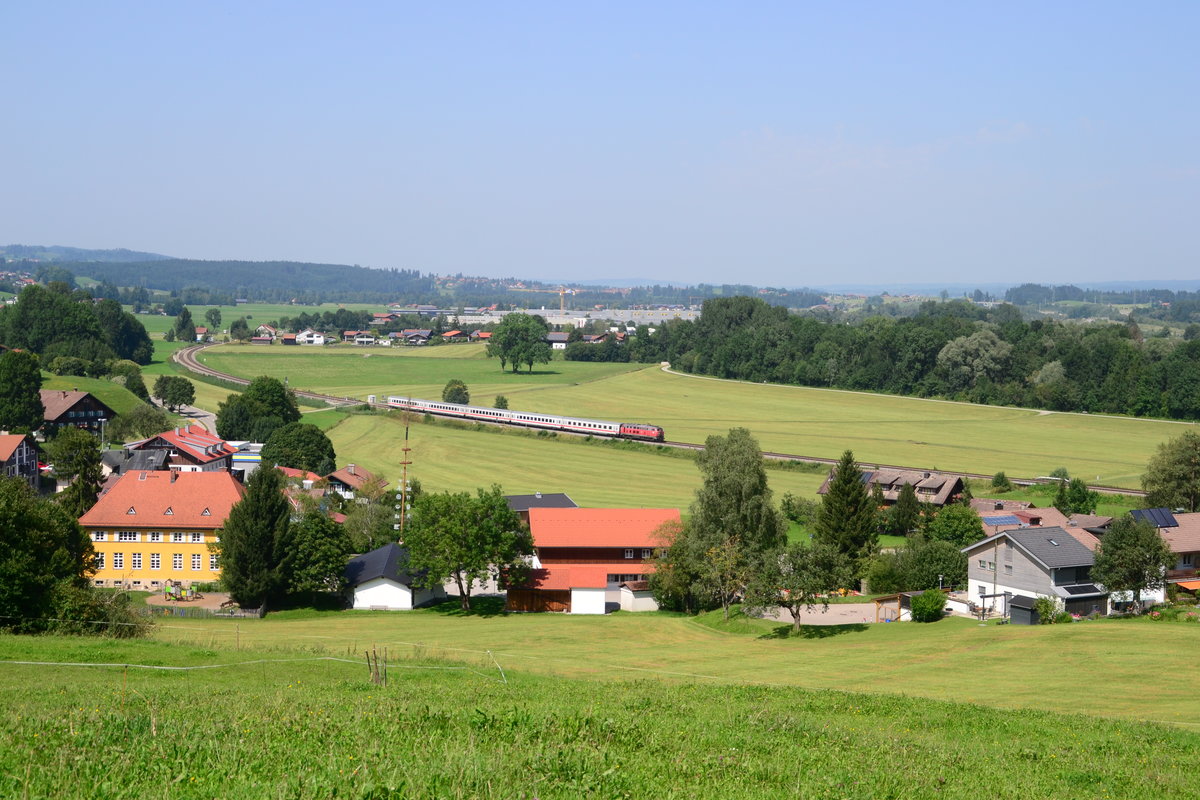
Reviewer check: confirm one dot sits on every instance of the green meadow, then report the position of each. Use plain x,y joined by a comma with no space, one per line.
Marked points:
818,422
268,722
600,473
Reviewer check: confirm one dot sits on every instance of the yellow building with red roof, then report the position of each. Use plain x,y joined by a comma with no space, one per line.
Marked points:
154,527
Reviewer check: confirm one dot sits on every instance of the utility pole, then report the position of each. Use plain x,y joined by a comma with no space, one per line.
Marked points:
405,489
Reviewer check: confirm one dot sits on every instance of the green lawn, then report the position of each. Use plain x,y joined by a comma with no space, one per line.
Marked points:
275,723
819,422
597,474
1135,669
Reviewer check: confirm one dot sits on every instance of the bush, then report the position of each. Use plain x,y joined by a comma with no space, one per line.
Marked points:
929,607
1001,483
1047,611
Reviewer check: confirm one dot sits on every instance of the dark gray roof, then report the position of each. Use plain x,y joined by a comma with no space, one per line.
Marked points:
1158,517
389,561
1054,547
1022,601
524,502
122,461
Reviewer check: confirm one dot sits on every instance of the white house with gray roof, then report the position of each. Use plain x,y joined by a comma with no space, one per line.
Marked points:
1038,562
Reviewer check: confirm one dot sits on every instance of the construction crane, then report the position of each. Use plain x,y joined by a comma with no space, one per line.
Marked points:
561,291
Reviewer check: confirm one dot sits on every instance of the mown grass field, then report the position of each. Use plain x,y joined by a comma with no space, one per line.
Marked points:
817,422
598,474
1134,669
113,395
269,726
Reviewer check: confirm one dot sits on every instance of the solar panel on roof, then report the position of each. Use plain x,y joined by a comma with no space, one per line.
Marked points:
1158,517
1003,519
1083,588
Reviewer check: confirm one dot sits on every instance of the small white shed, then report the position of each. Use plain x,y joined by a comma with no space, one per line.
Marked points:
379,580
636,596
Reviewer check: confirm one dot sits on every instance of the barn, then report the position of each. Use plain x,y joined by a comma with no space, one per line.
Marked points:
380,581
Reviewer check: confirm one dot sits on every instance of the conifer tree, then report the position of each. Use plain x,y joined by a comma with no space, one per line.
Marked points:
847,516
251,541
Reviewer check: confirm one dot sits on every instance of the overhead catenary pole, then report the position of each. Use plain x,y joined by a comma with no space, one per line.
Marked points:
404,490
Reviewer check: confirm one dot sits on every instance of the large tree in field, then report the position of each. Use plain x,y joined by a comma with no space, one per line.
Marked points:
466,539
797,578
733,523
1172,478
847,518
75,454
43,552
314,555
265,405
1132,557
520,339
185,328
252,539
174,391
300,446
21,408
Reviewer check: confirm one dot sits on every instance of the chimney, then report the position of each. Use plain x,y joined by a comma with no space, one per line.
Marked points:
350,468
999,505
538,495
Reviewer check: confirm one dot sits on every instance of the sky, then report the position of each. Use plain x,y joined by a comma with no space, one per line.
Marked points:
781,144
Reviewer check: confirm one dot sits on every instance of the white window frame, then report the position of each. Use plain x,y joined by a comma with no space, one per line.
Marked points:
214,561
99,536
197,562
629,552
155,561
177,536
177,561
99,561
156,536
128,536
135,561
197,537
647,552
118,561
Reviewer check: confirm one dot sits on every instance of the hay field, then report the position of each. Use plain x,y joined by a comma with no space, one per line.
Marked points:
806,421
447,458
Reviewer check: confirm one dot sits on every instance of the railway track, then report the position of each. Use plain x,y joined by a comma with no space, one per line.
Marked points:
186,358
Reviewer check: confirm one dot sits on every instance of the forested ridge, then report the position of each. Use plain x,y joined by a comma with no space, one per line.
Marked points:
956,350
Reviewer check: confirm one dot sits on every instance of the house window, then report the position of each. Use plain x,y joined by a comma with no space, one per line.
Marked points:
127,536
99,561
983,563
991,566
629,553
156,536
197,537
155,561
177,561
135,561
118,561
99,536
176,537
195,561
214,561
1188,559
1008,569
647,552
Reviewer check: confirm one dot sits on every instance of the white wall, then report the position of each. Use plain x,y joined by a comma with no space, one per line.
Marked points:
638,601
587,601
385,593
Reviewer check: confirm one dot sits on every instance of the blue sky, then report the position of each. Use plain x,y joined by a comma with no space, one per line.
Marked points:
770,143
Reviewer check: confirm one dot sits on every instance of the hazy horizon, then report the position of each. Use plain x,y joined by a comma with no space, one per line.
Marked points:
776,145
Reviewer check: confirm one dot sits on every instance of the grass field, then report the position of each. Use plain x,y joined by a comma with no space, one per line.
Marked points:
298,728
817,422
113,395
1135,669
597,474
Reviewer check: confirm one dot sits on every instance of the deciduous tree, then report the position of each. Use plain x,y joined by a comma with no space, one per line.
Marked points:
300,446
314,556
1172,477
174,391
466,539
797,578
520,339
21,408
957,524
1132,557
456,392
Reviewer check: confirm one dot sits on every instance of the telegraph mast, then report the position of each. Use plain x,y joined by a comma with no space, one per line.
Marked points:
403,504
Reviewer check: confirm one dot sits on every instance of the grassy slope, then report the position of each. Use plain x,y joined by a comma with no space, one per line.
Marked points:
319,729
1121,668
113,395
879,428
594,475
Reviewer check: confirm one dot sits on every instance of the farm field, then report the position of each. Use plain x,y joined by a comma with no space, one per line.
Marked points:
817,422
276,724
255,313
1130,669
449,458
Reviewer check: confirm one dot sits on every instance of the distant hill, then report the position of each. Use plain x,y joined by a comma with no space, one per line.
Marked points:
59,253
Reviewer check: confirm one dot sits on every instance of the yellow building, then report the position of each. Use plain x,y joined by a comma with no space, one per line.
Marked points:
154,527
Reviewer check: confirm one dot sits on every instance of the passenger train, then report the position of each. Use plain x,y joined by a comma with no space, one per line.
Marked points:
595,427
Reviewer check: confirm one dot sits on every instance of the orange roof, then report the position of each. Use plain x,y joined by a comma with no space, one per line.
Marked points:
166,499
195,441
598,527
9,442
353,476
301,474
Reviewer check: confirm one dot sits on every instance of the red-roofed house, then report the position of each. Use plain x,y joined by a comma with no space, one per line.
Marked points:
75,408
192,448
583,555
155,526
349,479
18,458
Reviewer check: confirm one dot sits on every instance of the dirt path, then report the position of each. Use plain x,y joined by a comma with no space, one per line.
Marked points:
835,614
211,601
